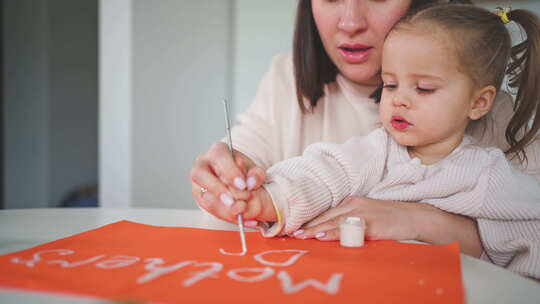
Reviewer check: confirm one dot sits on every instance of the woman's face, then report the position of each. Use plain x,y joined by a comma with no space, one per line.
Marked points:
353,32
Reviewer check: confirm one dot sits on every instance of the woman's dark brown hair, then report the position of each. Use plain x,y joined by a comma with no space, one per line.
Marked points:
485,53
312,66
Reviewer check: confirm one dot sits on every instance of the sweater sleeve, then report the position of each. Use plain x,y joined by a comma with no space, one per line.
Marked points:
254,133
509,219
303,187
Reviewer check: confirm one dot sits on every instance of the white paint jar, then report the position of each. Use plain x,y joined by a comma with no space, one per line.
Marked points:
351,232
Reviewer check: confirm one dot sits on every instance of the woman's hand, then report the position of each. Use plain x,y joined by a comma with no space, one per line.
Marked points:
220,184
389,220
385,220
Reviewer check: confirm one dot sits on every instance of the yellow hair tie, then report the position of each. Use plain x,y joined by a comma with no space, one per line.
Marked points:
503,14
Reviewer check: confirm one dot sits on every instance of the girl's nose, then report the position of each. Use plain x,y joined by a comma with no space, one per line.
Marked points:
353,17
398,100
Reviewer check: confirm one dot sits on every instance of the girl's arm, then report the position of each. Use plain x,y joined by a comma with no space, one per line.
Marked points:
303,187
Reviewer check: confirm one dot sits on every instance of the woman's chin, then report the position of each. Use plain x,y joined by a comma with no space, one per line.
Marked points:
361,74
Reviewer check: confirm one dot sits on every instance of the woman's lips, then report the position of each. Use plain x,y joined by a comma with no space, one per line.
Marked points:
399,123
355,52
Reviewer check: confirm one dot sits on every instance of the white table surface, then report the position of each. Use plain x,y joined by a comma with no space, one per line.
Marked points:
24,228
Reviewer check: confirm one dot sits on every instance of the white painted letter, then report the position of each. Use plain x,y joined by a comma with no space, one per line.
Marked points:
298,253
332,287
157,271
265,273
210,272
66,264
37,256
117,262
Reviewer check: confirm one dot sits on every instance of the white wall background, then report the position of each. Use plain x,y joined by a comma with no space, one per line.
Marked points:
181,67
181,58
262,29
176,68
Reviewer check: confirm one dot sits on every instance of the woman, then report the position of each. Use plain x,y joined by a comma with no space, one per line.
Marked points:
324,94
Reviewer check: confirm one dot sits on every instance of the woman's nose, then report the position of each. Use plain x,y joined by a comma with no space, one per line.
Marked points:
353,17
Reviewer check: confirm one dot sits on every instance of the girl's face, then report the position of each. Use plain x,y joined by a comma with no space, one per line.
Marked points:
353,31
427,100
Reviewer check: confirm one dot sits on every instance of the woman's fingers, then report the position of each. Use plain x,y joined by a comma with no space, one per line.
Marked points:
386,220
212,203
204,178
225,167
256,176
344,208
327,230
219,185
208,188
329,235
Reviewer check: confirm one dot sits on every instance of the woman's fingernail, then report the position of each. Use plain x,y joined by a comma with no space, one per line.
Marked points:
251,224
251,182
320,235
298,232
226,199
239,183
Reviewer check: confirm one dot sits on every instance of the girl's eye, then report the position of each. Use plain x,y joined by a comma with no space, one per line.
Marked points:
424,90
389,86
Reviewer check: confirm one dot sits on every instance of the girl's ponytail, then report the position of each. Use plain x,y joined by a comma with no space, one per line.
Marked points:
524,74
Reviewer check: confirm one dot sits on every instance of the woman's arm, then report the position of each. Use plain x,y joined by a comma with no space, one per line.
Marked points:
435,226
390,220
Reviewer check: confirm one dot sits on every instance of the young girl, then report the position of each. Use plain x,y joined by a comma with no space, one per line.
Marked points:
441,69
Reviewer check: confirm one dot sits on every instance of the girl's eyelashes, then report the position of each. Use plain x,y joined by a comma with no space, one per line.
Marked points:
424,90
420,90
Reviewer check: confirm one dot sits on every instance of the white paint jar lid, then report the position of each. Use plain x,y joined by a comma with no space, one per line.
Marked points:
355,221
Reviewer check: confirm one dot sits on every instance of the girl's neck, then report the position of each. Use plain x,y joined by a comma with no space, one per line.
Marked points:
433,153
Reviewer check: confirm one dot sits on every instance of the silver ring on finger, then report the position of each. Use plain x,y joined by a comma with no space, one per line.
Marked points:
203,191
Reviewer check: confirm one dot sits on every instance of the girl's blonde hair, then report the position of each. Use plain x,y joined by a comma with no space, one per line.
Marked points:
485,53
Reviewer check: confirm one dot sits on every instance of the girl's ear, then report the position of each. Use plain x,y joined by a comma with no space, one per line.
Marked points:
482,102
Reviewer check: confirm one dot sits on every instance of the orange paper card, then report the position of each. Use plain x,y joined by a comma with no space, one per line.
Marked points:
134,262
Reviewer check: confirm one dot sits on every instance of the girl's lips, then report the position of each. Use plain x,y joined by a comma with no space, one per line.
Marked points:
399,123
355,53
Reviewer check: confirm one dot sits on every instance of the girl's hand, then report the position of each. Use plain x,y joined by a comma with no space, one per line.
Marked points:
218,181
259,208
385,220
389,220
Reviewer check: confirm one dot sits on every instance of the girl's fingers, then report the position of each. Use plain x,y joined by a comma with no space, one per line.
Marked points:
239,207
254,207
